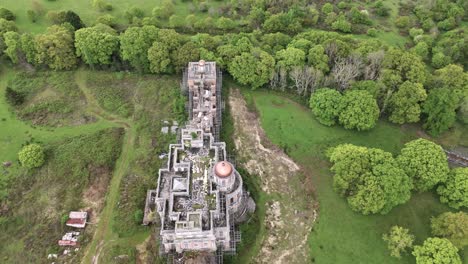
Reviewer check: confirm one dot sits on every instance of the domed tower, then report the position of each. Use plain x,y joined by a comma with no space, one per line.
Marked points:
224,175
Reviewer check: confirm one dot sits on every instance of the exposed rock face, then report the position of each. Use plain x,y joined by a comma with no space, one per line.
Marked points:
290,217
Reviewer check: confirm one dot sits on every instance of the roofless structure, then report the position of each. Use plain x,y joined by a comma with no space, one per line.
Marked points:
200,197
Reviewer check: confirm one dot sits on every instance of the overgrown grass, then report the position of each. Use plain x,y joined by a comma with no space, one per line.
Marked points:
341,235
38,199
50,98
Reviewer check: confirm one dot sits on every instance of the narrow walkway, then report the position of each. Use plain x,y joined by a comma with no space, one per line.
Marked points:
103,233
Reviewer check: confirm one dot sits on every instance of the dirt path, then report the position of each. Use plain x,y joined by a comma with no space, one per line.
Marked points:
290,215
104,231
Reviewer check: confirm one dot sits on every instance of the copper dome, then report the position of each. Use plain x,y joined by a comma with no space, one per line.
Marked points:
223,169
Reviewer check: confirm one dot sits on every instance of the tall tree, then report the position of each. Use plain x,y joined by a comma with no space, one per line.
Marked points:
254,68
359,110
440,110
318,59
159,57
55,48
13,45
401,66
326,105
454,191
290,57
184,54
398,240
453,226
95,45
425,163
135,43
436,250
404,104
370,179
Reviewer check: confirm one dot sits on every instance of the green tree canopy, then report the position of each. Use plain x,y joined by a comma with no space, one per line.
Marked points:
254,68
95,45
404,104
135,43
370,179
290,57
453,226
402,66
159,57
360,110
326,105
454,191
32,156
6,25
13,45
440,110
184,54
425,163
398,240
436,250
451,77
55,48
318,59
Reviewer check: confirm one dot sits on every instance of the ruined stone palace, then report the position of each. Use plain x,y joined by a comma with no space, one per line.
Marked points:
200,196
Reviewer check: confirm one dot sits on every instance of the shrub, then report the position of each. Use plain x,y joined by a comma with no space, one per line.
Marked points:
14,97
32,156
402,22
381,9
102,5
32,16
7,14
372,32
327,8
341,25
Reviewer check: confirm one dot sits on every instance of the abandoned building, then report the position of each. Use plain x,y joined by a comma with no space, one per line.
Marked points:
200,196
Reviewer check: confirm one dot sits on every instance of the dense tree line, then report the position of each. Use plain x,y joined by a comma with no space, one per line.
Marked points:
373,181
371,78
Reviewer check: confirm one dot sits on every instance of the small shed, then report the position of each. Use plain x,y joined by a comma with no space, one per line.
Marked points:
77,219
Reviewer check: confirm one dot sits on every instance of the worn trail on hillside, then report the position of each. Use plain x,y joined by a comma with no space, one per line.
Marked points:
104,231
289,218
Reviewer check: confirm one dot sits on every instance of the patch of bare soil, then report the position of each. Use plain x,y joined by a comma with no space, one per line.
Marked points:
290,217
93,196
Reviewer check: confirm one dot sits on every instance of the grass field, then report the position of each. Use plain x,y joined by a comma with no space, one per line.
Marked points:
89,14
341,235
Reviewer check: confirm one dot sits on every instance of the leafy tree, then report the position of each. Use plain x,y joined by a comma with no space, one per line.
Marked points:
327,8
134,12
451,77
372,87
463,110
164,11
381,9
55,48
454,191
7,14
440,110
32,156
102,5
401,66
436,250
359,111
453,226
254,68
225,23
169,38
370,179
134,45
107,19
341,24
183,55
6,26
359,17
398,240
425,163
440,60
70,17
421,49
290,57
256,17
95,45
13,44
326,105
28,46
404,104
318,59
159,57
